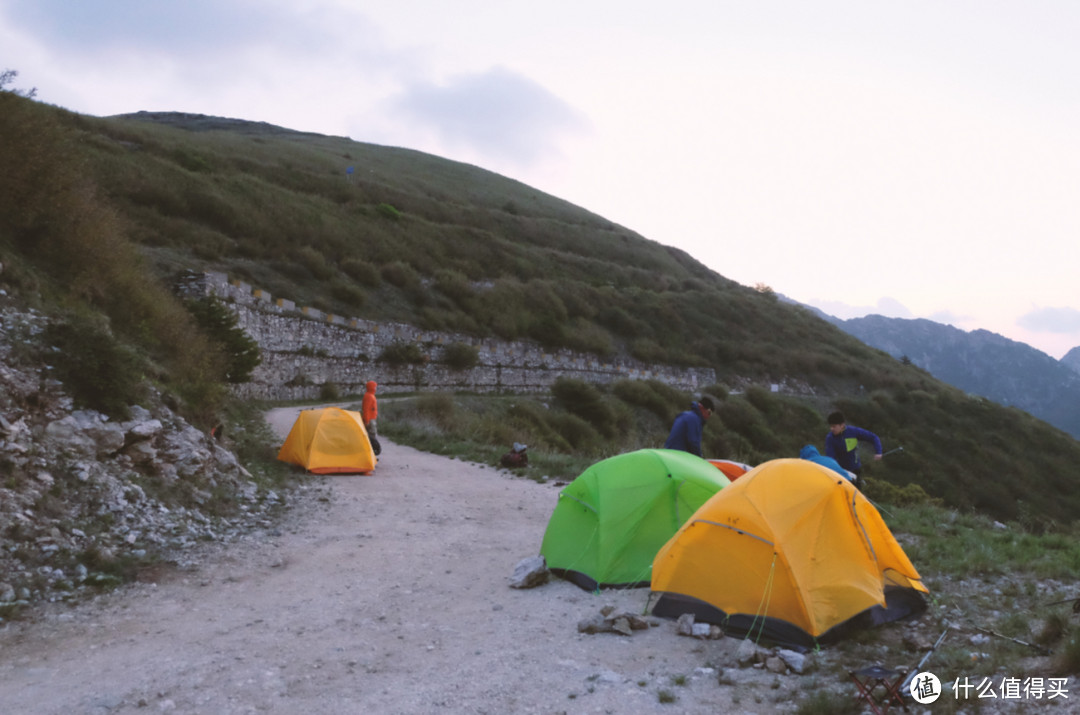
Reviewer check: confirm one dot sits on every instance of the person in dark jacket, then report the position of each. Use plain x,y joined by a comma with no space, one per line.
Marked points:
686,430
842,444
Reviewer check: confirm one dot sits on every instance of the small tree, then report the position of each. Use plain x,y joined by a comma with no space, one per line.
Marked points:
219,323
7,77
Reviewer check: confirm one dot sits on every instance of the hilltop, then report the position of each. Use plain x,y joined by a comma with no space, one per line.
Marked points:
443,245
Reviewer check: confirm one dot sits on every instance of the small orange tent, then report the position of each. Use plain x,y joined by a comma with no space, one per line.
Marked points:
329,440
731,469
791,552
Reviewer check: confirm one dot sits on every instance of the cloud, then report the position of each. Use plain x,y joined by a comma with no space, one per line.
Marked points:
498,115
947,317
160,28
242,42
1051,320
892,308
888,307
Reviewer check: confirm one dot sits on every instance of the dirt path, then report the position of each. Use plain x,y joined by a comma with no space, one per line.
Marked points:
379,594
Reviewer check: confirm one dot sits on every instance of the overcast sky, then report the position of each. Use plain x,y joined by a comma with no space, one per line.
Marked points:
914,159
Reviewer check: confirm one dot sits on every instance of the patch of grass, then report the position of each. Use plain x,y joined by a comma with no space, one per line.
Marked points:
823,702
1053,630
666,697
1067,661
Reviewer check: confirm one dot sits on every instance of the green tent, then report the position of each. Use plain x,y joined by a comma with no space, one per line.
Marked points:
611,521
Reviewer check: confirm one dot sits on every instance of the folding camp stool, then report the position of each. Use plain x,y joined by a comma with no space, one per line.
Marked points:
879,688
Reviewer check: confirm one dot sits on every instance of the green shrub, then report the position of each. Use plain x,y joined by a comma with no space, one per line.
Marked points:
388,211
314,262
362,272
587,337
100,372
657,397
328,392
585,400
548,331
349,295
400,353
454,286
648,350
888,493
401,275
459,356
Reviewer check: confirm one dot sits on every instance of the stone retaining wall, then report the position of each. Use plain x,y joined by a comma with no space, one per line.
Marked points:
304,349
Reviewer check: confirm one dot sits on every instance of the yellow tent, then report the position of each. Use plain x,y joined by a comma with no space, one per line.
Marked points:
329,440
790,552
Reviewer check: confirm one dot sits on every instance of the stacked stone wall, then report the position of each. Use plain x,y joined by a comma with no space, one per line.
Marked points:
304,349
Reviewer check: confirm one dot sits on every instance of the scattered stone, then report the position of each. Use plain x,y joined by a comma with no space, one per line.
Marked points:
530,572
748,653
607,621
794,660
775,664
65,467
685,625
593,624
608,676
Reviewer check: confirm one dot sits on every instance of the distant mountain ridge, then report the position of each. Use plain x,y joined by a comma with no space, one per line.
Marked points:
1072,359
983,363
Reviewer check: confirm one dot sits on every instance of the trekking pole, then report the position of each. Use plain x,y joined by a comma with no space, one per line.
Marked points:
891,451
1039,648
905,687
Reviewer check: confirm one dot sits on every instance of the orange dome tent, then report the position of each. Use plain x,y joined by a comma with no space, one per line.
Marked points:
790,552
329,440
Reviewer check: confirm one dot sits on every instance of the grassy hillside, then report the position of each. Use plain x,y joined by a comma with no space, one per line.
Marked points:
98,215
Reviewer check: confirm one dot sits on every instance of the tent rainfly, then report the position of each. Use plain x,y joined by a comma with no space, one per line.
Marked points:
609,522
791,553
329,440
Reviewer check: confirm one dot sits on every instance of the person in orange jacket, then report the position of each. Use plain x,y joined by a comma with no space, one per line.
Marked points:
369,413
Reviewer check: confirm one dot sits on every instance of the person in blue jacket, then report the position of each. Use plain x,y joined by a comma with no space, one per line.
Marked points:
686,430
809,452
842,444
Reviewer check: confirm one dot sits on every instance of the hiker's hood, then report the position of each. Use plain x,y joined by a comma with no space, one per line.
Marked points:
809,452
371,385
